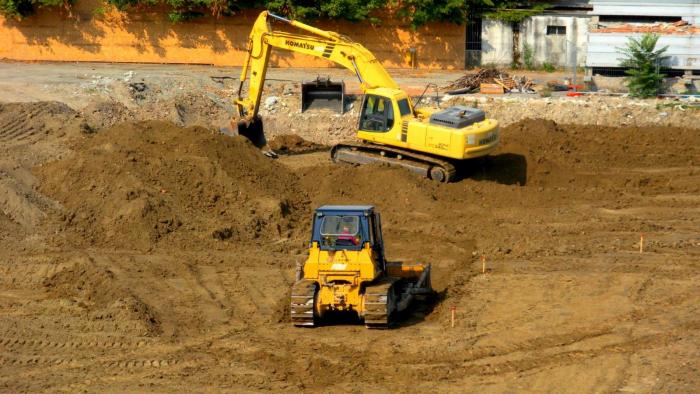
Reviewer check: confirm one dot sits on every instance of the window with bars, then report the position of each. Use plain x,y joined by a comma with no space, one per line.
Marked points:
556,30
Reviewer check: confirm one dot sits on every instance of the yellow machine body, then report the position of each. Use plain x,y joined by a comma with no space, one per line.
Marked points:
413,131
354,277
340,275
408,129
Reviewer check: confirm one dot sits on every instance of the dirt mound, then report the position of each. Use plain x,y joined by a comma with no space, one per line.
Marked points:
26,122
84,280
292,144
101,114
30,134
201,110
98,292
392,188
138,185
556,155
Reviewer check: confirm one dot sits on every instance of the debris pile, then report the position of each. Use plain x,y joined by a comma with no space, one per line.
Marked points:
470,83
679,27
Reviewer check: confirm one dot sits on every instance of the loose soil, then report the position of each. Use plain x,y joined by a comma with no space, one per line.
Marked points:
147,256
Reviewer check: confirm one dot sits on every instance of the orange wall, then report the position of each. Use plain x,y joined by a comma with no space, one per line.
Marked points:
151,38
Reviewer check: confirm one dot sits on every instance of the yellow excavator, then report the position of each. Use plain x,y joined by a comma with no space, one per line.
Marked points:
346,271
392,129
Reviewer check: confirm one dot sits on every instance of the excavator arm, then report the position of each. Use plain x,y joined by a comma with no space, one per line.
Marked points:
319,43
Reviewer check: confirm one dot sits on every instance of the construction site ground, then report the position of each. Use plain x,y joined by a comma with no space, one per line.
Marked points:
142,250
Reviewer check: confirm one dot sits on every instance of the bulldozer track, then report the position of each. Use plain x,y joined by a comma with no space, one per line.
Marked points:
302,303
429,166
379,304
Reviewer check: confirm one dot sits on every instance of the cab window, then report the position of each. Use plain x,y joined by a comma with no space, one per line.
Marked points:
377,114
404,107
339,230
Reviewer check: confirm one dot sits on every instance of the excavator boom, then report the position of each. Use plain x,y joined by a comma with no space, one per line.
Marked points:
323,44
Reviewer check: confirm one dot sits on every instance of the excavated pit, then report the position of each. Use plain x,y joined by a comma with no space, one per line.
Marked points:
149,256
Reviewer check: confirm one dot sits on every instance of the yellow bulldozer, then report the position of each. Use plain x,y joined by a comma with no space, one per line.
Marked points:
346,271
392,129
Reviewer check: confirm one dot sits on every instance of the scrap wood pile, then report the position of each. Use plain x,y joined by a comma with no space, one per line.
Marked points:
680,27
472,82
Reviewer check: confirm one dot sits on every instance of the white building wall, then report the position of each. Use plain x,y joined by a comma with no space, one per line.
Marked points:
559,50
683,50
497,41
689,10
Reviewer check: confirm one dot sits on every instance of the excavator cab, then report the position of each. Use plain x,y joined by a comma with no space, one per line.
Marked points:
377,114
380,112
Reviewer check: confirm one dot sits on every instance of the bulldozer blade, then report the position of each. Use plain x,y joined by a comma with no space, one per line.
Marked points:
323,93
250,129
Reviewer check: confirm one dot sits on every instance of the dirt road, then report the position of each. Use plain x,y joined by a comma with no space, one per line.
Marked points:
151,257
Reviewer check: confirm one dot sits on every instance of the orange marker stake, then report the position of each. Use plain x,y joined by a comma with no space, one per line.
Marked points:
483,264
641,243
453,309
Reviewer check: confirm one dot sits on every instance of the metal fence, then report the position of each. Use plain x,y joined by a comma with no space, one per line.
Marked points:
472,50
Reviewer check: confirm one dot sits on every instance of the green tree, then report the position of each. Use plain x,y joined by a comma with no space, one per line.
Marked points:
352,10
511,11
23,8
420,12
643,61
413,12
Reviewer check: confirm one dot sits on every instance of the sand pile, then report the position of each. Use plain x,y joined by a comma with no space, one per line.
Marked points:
99,294
138,185
292,144
23,122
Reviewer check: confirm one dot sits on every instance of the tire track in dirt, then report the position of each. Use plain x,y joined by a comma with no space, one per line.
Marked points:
17,127
10,341
554,356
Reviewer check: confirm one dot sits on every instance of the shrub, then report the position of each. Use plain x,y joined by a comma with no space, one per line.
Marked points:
643,61
22,8
413,12
548,67
528,56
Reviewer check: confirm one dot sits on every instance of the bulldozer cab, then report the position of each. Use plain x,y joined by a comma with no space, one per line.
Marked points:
348,227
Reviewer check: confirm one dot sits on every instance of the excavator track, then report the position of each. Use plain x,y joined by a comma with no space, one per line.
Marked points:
431,167
380,304
302,303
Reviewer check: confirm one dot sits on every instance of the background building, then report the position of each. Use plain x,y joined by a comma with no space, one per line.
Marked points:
615,21
557,36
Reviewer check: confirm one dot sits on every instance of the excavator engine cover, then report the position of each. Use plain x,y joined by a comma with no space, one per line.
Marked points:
323,93
457,117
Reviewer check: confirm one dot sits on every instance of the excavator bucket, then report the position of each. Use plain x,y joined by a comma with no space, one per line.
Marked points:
251,129
323,93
